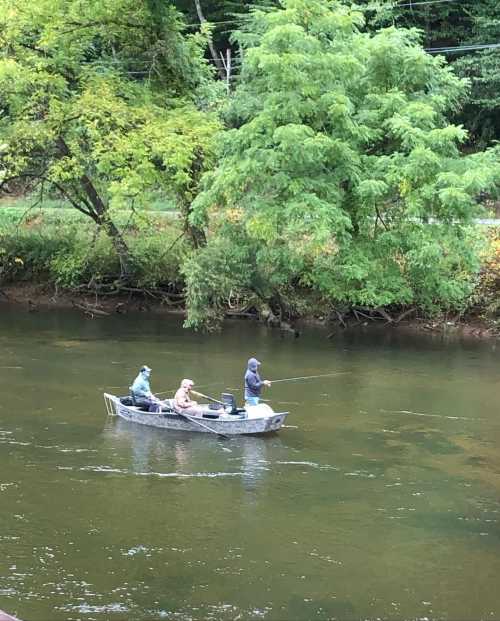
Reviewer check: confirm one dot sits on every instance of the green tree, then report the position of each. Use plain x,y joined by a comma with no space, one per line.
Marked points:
482,111
100,102
458,24
341,175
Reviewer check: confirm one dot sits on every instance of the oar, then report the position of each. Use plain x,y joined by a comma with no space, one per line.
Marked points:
200,394
197,422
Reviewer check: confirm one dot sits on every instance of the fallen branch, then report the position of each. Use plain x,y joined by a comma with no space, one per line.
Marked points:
405,314
385,315
243,314
90,310
340,317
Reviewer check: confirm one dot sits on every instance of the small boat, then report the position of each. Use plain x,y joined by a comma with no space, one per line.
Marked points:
5,617
227,420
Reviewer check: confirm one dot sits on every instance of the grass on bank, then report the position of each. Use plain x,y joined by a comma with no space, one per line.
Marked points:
59,245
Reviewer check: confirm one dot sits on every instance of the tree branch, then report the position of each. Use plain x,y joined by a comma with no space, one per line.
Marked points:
59,187
213,51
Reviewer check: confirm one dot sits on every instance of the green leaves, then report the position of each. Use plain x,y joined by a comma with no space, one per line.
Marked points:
342,164
99,106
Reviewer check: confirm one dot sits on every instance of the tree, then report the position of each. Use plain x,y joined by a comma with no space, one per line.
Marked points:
458,24
341,176
97,103
482,112
218,19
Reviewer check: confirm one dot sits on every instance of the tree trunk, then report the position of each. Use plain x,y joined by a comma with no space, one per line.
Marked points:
120,245
194,233
213,51
101,216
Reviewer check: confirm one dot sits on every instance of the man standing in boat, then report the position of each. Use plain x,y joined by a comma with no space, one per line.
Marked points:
253,383
141,392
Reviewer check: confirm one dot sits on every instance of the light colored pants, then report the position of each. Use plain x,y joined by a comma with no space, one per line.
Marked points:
252,401
192,411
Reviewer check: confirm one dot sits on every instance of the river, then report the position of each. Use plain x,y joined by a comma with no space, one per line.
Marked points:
379,500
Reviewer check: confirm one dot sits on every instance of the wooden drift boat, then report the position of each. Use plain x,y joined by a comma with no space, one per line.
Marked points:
225,421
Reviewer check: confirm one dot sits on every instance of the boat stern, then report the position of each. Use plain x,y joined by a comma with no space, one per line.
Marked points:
112,403
275,422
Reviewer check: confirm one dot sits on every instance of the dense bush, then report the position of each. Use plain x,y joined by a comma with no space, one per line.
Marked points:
63,248
485,299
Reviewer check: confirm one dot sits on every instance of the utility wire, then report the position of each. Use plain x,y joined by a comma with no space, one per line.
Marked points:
249,16
422,2
463,48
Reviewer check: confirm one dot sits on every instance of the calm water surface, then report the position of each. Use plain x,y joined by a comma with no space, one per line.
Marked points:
381,499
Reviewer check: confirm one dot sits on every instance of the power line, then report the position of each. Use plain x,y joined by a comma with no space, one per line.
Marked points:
463,48
243,17
211,23
421,2
432,50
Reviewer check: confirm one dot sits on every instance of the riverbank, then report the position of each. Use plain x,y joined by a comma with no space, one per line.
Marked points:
57,258
34,297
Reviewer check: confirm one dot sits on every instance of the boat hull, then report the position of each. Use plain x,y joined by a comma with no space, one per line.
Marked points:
250,423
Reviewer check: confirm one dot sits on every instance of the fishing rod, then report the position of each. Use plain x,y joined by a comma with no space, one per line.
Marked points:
294,379
286,379
306,377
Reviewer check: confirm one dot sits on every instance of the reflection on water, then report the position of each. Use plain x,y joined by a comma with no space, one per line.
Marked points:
380,499
152,450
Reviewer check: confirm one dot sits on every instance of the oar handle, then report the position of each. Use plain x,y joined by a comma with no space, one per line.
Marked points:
200,394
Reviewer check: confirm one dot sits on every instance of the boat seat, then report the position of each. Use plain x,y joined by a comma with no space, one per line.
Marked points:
230,402
167,407
237,411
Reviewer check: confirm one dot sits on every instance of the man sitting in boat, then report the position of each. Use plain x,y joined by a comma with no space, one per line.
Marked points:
253,383
141,394
183,404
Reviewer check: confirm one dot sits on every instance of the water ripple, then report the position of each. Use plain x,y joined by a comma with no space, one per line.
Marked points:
177,475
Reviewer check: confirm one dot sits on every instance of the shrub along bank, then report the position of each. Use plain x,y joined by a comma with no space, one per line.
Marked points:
62,250
61,247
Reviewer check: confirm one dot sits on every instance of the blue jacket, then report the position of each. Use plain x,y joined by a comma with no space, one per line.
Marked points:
253,383
140,387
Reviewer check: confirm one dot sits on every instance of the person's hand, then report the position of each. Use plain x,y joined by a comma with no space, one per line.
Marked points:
267,383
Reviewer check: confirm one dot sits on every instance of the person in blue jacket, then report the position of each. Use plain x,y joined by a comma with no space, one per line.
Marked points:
253,383
141,394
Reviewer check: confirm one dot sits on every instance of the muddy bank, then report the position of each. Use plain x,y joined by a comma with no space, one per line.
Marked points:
33,297
30,298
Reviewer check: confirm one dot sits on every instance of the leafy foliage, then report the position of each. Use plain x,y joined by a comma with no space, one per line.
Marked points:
446,24
341,173
485,297
98,103
482,112
55,246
